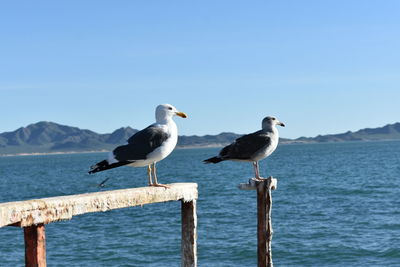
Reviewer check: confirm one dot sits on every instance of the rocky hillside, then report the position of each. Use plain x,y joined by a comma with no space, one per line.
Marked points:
47,137
388,132
44,137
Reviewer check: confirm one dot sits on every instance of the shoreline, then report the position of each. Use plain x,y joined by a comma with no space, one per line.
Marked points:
87,152
51,153
99,151
215,145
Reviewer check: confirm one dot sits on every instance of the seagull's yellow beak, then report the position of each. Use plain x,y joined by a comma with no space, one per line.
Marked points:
181,114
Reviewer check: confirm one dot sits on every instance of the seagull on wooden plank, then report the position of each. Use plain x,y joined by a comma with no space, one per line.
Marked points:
252,147
146,147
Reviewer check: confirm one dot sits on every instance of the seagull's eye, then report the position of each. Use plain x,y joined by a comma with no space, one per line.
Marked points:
273,119
169,108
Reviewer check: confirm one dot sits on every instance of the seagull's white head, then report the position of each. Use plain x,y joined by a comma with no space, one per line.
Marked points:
269,122
165,112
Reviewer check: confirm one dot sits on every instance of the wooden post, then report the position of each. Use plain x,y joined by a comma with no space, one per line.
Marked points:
35,246
189,234
264,225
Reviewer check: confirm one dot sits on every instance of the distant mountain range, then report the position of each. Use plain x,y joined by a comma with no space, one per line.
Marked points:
45,137
388,132
48,137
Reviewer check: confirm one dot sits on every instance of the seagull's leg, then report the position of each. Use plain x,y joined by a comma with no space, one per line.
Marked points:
149,174
155,177
256,170
155,174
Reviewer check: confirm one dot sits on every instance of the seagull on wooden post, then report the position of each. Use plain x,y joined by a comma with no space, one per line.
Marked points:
252,147
146,147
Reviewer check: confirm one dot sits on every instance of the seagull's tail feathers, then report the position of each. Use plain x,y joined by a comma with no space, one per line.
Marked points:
104,165
213,160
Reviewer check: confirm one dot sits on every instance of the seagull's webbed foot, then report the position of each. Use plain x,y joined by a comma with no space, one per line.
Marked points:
161,185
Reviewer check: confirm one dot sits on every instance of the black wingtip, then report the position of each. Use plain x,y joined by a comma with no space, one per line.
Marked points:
212,160
100,166
92,169
104,165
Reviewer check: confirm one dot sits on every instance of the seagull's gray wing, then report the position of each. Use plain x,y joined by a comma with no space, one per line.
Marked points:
141,144
246,147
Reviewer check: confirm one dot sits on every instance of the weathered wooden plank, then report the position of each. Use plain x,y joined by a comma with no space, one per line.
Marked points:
46,210
35,246
189,234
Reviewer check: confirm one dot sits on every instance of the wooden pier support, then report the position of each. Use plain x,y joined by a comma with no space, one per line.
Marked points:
35,246
264,224
33,214
189,234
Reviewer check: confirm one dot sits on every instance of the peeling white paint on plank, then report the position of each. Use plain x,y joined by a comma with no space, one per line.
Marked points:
46,210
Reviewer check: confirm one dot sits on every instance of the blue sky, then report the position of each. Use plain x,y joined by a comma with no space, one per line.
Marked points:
319,66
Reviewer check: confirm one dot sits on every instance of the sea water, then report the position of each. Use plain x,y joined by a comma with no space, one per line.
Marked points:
336,204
